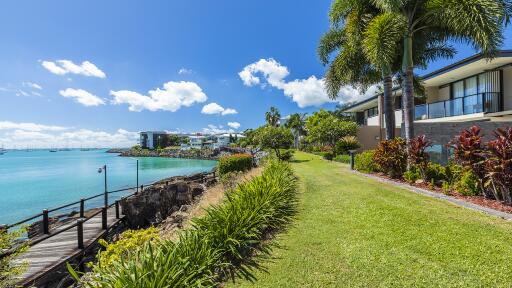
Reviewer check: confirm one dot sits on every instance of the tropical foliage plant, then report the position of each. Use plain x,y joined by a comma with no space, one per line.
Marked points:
273,116
365,162
347,143
391,157
418,154
499,165
469,152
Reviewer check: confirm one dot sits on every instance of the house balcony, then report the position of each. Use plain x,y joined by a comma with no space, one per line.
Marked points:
488,102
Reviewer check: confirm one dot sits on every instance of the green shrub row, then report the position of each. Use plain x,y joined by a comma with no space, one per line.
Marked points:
220,245
234,163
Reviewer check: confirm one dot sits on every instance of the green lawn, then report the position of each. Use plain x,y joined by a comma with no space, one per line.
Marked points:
355,232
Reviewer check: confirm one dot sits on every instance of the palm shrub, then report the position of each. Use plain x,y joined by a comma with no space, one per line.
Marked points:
220,244
391,157
469,152
347,143
418,155
499,165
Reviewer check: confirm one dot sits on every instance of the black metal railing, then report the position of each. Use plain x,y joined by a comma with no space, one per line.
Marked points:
488,102
44,215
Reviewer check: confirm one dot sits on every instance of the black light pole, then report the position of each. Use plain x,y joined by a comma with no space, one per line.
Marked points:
137,176
104,169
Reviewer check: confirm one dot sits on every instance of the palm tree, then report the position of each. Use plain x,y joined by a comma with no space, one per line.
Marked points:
297,124
351,65
478,22
273,116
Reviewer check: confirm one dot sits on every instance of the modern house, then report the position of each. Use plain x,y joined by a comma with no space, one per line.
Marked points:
150,139
472,91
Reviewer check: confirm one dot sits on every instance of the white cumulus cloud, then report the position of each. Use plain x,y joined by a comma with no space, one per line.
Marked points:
234,125
81,96
216,129
62,67
27,126
214,108
46,138
172,97
304,92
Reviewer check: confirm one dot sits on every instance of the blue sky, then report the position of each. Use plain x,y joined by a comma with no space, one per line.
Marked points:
119,51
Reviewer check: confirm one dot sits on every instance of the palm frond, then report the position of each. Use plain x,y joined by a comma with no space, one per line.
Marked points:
330,42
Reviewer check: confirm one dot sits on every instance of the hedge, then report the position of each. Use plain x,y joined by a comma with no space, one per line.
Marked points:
235,162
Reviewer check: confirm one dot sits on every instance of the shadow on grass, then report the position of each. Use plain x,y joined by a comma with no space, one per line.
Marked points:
299,161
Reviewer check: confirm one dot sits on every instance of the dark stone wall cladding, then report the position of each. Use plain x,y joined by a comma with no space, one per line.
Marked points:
442,133
157,202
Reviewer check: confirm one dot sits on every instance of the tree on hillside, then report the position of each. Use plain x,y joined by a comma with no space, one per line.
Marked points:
326,129
272,117
275,138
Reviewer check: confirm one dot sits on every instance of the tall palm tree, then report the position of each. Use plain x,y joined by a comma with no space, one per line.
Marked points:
368,42
351,66
297,124
478,22
273,116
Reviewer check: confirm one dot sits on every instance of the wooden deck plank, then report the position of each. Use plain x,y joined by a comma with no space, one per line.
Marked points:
55,250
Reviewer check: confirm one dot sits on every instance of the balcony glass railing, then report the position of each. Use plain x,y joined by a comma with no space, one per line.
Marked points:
483,102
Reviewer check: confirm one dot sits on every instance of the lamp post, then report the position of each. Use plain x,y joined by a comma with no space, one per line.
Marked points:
104,169
137,176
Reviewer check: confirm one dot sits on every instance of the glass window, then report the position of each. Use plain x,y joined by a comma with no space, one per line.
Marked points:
470,85
482,83
458,89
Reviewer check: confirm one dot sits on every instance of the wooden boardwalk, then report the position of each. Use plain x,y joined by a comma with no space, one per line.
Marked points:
57,250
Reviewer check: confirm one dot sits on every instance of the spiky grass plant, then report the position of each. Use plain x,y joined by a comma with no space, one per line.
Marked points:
227,241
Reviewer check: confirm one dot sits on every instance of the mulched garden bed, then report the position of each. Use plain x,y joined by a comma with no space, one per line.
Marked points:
478,200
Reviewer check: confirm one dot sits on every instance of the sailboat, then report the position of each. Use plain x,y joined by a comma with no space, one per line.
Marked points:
2,150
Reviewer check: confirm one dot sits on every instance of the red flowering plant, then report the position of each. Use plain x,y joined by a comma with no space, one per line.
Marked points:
470,153
418,155
499,165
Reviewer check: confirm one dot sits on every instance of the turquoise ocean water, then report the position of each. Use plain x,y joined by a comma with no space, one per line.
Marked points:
31,181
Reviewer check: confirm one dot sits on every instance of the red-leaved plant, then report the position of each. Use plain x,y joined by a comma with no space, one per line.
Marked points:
417,154
499,165
391,157
469,152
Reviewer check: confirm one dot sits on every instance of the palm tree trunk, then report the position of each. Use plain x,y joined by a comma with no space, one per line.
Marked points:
408,97
389,113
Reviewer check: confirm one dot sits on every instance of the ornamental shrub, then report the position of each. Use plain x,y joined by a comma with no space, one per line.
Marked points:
469,152
234,163
10,269
286,154
391,157
342,159
435,172
365,162
326,155
499,165
418,155
411,175
347,143
468,184
129,241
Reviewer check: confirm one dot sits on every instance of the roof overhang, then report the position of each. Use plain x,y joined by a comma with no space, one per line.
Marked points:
467,67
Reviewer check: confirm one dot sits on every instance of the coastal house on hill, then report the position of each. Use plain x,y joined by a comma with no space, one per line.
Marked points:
149,140
473,91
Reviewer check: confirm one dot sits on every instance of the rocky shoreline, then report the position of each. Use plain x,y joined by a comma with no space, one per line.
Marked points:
201,154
